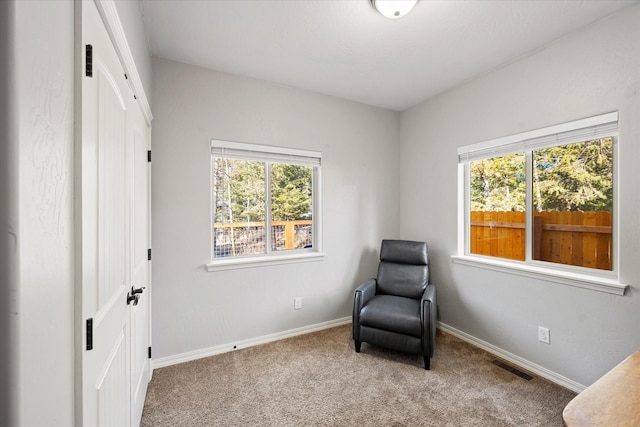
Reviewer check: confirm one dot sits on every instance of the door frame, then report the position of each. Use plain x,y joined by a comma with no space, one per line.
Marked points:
109,14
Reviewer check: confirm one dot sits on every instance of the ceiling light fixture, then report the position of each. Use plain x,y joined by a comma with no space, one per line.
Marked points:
394,9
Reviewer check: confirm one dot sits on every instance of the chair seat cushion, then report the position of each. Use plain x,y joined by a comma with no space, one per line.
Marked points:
392,313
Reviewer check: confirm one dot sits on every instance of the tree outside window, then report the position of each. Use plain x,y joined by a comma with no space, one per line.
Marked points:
572,204
250,220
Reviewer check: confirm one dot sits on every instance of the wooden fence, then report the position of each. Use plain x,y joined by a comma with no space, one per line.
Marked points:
247,238
573,238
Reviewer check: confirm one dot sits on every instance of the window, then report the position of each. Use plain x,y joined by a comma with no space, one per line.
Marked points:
265,203
544,198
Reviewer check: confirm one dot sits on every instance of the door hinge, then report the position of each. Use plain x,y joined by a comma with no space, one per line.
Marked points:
88,60
149,352
90,334
149,156
148,254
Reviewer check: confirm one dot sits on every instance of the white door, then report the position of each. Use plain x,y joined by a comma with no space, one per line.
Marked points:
115,367
140,271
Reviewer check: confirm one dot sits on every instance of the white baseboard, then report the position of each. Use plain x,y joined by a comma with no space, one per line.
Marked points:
224,348
516,360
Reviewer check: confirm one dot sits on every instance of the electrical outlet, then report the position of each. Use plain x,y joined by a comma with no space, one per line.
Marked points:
543,335
297,303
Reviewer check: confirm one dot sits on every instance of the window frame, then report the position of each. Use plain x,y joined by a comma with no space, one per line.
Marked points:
271,154
576,131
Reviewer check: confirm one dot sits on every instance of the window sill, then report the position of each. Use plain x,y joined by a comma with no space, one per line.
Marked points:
232,264
586,281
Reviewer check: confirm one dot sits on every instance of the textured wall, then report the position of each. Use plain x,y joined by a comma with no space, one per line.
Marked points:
44,76
194,309
593,71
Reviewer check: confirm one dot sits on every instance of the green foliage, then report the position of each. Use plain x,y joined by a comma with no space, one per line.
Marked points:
239,190
290,191
498,184
573,177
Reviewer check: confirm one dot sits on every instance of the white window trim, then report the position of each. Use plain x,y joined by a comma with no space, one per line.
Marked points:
520,268
241,150
566,133
261,261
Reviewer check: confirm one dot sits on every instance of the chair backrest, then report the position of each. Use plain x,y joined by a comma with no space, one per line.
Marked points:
403,268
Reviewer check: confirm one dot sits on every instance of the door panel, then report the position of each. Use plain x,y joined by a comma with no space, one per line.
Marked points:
112,280
112,405
109,118
140,313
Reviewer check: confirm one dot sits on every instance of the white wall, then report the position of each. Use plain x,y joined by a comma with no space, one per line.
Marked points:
194,309
593,71
45,310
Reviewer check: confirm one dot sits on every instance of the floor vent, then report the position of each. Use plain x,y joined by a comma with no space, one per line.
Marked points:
513,370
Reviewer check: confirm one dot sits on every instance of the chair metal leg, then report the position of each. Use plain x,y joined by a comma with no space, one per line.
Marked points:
358,344
427,363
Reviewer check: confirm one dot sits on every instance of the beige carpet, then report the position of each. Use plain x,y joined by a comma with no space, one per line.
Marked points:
318,380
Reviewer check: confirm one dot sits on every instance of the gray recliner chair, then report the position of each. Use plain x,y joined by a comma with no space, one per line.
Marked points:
397,310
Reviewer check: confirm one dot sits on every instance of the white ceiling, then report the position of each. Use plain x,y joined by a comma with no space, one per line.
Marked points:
346,49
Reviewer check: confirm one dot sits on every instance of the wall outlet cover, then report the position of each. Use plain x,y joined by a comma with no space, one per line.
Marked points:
543,334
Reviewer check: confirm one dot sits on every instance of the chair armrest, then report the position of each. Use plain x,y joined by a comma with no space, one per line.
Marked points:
367,291
363,293
429,294
428,317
